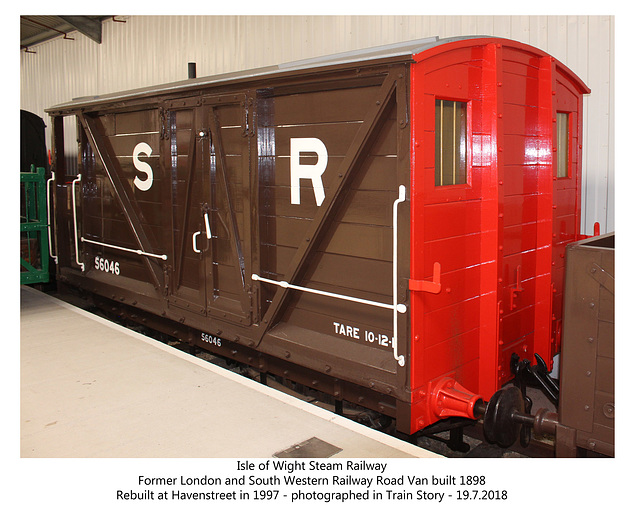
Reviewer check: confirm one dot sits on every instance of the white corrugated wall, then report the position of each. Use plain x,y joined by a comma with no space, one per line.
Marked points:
149,50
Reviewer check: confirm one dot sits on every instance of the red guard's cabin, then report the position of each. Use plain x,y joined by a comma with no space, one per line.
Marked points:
495,198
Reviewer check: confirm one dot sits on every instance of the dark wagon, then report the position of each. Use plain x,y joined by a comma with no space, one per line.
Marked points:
386,226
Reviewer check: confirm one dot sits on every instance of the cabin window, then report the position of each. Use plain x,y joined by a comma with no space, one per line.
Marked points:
451,142
562,125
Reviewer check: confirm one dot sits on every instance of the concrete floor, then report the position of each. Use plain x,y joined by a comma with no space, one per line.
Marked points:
90,388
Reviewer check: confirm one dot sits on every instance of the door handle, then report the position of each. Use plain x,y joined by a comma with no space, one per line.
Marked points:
419,285
195,247
207,228
206,225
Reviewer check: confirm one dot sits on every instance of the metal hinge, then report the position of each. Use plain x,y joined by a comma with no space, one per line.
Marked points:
164,124
514,291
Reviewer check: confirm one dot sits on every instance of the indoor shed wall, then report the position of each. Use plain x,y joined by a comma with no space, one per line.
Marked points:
151,50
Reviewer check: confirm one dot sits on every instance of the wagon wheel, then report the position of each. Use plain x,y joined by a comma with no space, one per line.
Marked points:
500,425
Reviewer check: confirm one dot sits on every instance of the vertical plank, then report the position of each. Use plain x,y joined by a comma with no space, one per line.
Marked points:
595,171
610,207
557,37
520,29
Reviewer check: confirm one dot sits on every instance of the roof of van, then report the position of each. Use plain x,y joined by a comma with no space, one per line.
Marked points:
396,51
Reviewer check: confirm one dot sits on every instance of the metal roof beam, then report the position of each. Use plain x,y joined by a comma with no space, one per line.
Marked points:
87,26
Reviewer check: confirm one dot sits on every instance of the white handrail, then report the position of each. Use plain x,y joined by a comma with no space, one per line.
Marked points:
401,307
206,225
397,308
52,178
136,251
402,196
75,218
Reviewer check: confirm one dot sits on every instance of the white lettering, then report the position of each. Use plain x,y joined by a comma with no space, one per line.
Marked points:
346,330
104,265
368,336
207,338
308,171
144,167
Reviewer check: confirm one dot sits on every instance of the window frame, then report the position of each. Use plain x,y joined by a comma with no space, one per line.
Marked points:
569,145
468,145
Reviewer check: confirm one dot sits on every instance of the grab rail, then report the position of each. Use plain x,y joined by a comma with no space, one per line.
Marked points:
121,248
49,201
397,308
75,219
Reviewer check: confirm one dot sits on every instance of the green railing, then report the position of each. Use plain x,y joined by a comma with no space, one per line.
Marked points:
34,238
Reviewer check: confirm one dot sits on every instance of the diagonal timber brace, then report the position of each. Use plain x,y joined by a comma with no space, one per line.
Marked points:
191,164
217,149
334,197
123,195
227,215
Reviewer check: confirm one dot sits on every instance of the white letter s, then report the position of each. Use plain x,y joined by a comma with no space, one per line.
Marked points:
142,184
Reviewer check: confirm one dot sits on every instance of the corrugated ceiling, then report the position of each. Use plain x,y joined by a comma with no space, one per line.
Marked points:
37,29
